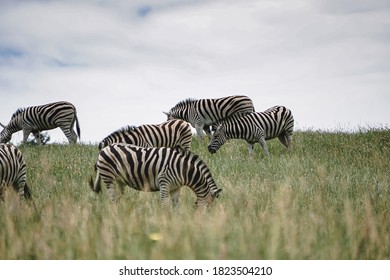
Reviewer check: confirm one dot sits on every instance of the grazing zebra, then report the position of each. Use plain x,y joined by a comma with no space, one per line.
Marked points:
202,113
13,171
168,134
35,119
154,169
277,121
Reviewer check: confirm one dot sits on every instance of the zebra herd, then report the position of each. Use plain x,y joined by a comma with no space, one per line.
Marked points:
151,157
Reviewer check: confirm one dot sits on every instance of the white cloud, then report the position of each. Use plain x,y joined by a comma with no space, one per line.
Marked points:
124,62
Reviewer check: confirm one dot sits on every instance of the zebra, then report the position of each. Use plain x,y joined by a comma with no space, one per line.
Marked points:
35,119
161,169
201,113
167,134
13,172
256,127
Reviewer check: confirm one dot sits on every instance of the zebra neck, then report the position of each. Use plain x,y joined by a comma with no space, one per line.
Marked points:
14,126
189,115
202,186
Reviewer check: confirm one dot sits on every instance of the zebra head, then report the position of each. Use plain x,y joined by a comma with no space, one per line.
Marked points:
218,139
169,115
5,135
182,110
206,202
175,114
14,125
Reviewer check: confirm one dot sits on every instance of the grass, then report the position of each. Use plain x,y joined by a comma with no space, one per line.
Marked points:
329,198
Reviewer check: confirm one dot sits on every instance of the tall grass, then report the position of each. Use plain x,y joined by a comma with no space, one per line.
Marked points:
329,198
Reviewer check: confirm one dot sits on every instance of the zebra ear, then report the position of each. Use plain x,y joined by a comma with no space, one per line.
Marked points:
166,113
219,127
2,125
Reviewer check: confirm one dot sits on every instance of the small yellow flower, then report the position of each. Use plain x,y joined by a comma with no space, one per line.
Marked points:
155,236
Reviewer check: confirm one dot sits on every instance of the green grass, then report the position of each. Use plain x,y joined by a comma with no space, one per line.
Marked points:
329,198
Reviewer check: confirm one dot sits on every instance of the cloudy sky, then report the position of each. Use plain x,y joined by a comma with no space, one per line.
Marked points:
123,62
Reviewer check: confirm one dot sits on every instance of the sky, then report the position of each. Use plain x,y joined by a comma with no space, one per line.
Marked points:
124,62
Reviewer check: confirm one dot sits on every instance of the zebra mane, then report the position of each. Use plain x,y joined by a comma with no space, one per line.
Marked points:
185,102
234,117
125,129
122,130
186,152
180,149
18,112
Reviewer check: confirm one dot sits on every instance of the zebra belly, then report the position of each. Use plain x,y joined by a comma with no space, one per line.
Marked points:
142,184
38,128
272,135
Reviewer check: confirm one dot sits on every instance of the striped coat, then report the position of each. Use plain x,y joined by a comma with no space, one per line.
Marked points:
163,170
258,127
168,134
13,171
35,119
202,113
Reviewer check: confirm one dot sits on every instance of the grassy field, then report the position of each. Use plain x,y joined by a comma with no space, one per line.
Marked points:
329,198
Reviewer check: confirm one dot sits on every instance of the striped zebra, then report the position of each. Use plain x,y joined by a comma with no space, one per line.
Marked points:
35,119
256,127
154,169
168,134
202,113
13,171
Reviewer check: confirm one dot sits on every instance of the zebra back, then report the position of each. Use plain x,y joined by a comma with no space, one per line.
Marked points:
168,134
209,111
256,127
149,169
43,117
49,116
273,122
128,134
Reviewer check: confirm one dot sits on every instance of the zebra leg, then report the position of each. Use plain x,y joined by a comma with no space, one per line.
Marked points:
199,131
289,142
112,192
37,136
2,191
263,144
164,195
250,148
283,139
175,197
26,133
19,187
206,129
70,134
164,181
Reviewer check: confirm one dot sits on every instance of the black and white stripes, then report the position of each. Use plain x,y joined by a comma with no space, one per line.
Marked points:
201,113
35,119
152,157
168,134
154,169
258,127
13,171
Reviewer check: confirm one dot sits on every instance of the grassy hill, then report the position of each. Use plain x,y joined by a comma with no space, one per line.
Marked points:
329,198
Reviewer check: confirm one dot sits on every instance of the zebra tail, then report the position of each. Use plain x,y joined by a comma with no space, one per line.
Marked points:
97,185
78,127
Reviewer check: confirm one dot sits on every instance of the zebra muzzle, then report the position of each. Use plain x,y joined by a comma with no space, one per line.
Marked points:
211,149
